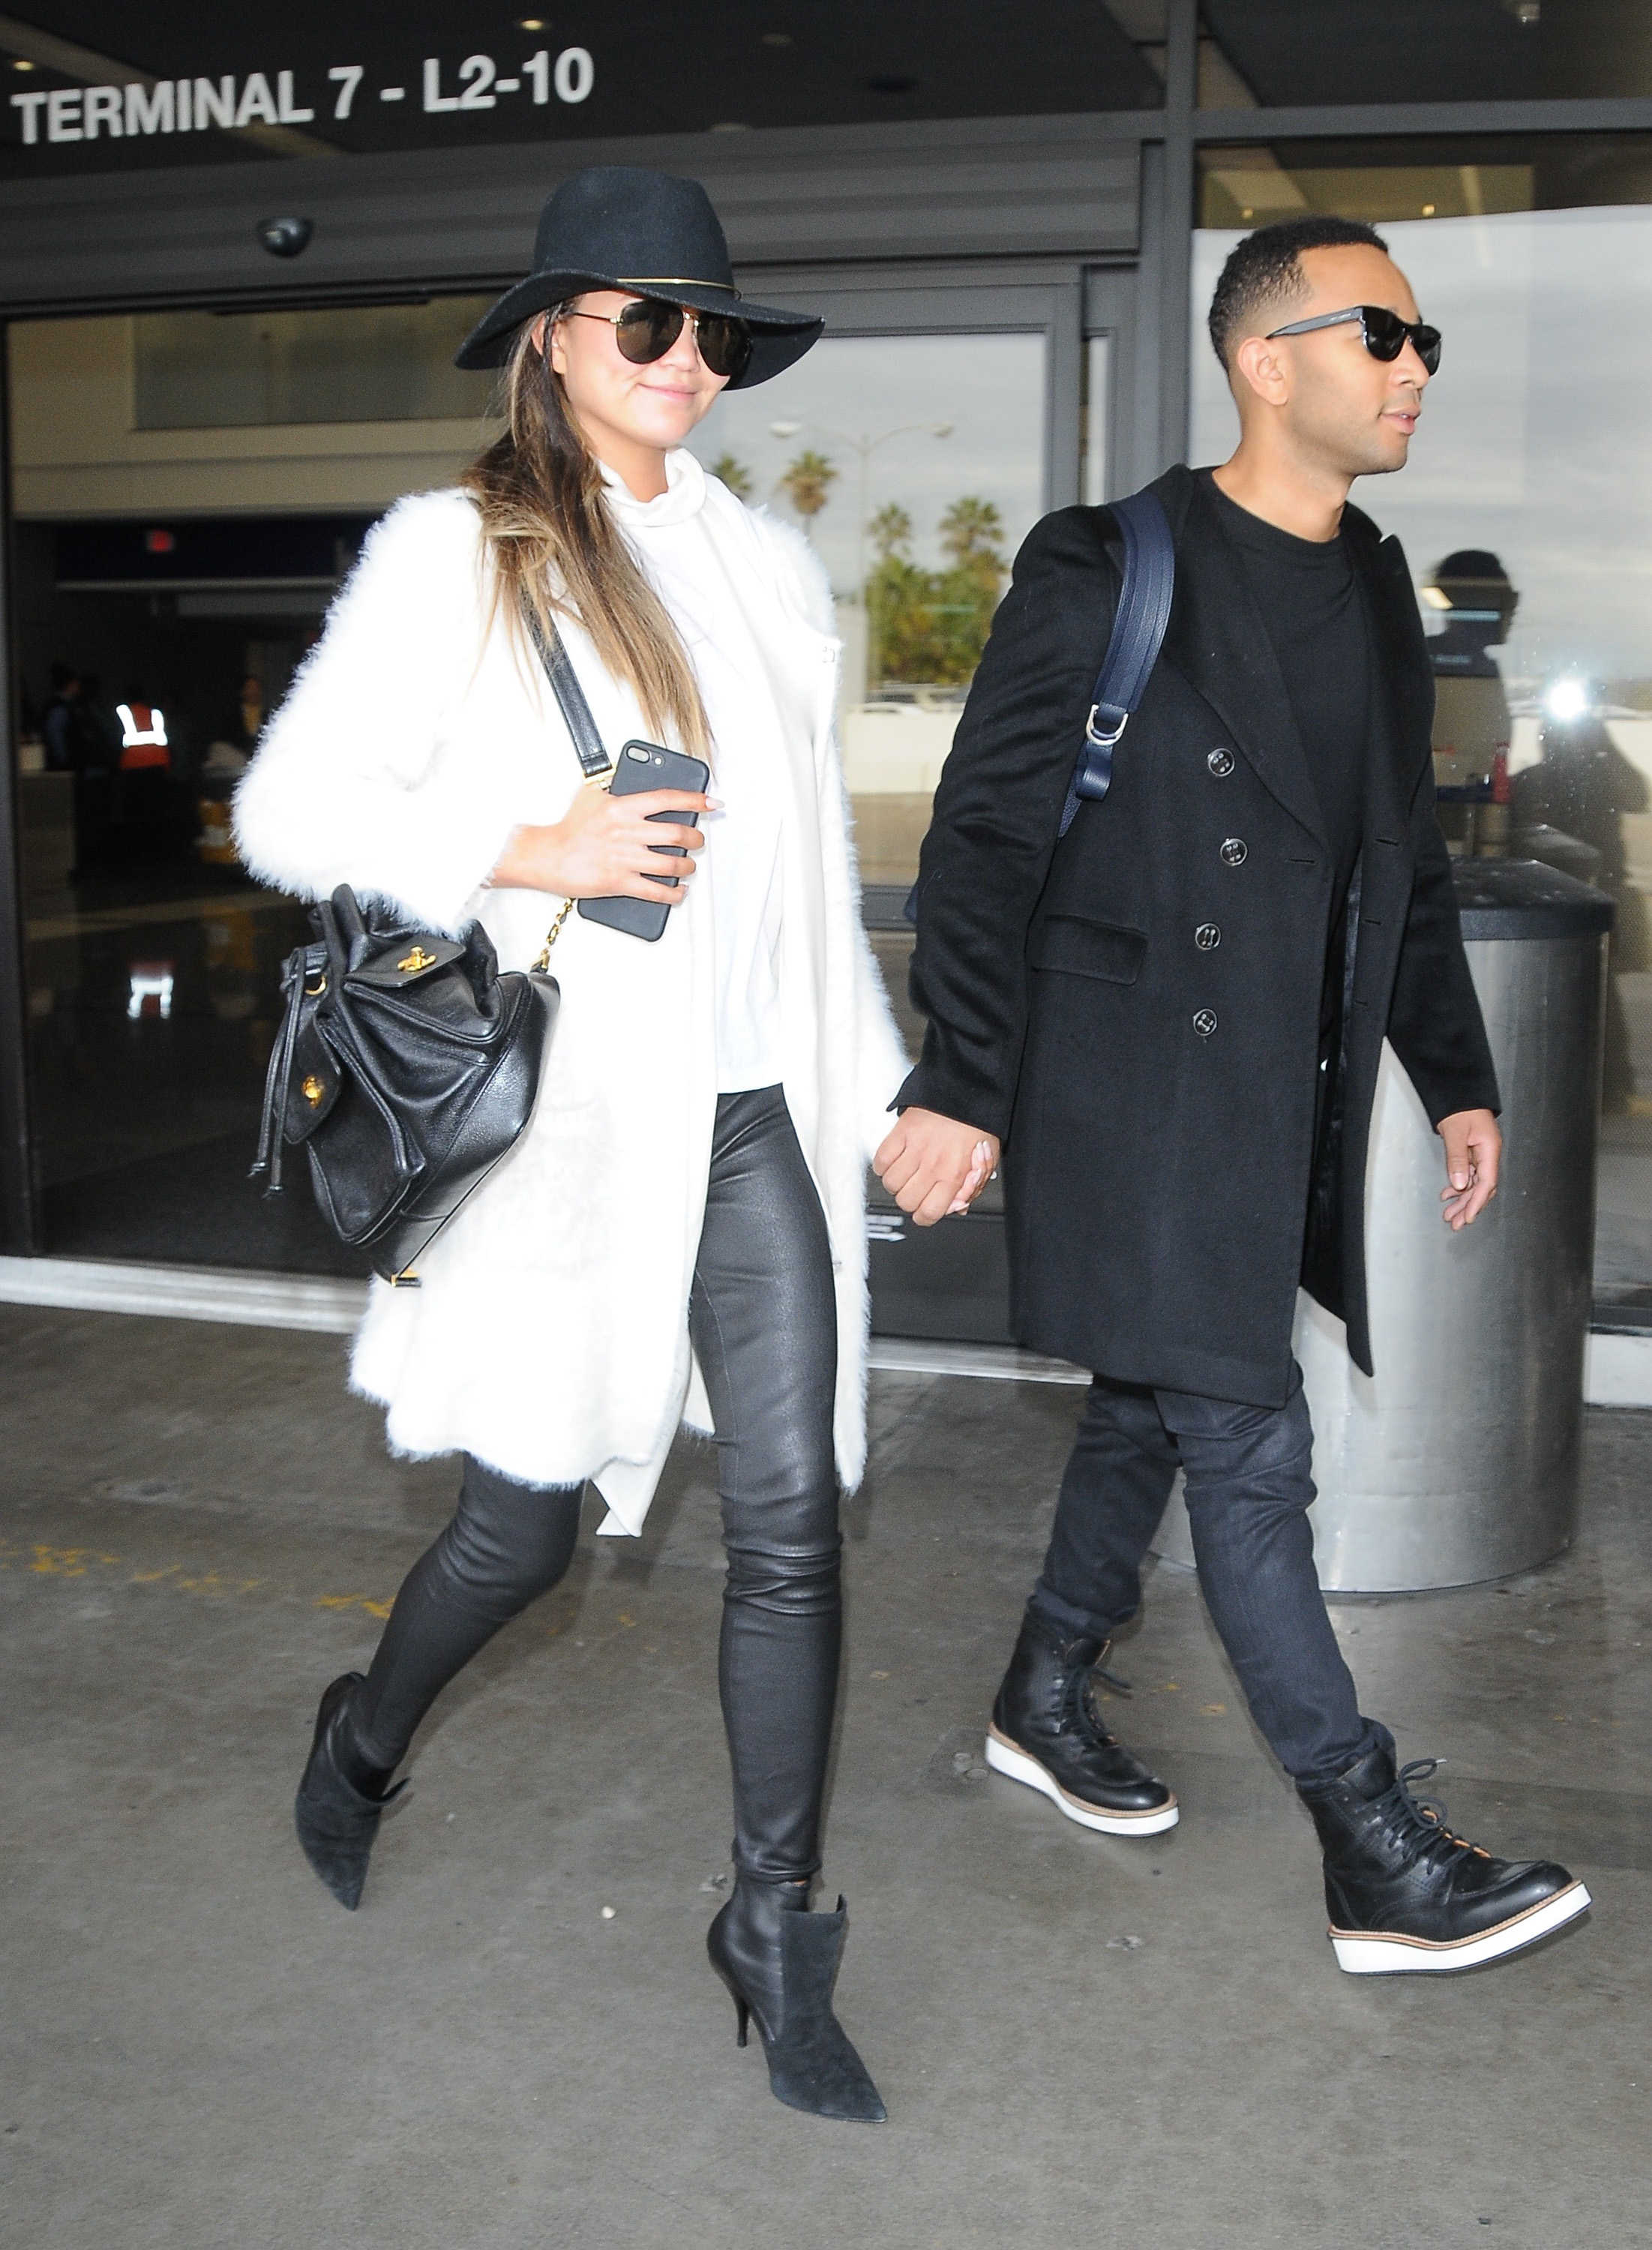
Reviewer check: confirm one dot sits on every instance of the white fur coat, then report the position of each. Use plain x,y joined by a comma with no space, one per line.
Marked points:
550,1336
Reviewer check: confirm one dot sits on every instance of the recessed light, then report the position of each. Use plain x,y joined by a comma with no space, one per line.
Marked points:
21,64
531,24
1428,210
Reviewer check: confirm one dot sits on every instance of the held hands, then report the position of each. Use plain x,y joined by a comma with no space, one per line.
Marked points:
1473,1152
933,1166
603,848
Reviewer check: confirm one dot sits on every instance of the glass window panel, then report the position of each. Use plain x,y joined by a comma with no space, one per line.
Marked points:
186,579
1284,54
1383,182
386,364
914,466
182,579
1531,481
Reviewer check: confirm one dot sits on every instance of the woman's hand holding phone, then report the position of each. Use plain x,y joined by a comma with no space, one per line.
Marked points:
603,848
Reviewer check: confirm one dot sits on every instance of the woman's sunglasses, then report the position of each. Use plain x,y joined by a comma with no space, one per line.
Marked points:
646,331
1384,332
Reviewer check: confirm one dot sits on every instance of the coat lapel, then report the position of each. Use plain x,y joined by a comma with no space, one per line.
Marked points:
1218,643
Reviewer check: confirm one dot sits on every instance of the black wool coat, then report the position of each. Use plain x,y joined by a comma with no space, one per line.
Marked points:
1136,1010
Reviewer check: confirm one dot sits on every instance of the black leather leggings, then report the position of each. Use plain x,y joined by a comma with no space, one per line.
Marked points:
763,1320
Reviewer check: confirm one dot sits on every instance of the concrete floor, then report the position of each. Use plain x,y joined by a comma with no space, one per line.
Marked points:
1078,2040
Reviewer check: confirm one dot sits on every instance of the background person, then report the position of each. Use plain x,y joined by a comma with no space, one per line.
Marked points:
695,1169
76,743
1473,729
1172,1021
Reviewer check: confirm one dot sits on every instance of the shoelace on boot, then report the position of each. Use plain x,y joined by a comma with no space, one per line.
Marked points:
1087,1710
1411,1819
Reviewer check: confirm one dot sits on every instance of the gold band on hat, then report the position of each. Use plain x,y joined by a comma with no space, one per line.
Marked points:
676,281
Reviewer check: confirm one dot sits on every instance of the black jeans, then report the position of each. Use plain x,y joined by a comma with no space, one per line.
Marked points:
762,1315
1249,1490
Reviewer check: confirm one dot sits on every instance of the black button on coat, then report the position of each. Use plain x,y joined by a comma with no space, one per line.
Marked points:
1164,1142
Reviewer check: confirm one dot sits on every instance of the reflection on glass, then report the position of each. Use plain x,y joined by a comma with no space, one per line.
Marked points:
1528,504
1473,725
913,465
1384,182
167,588
149,989
386,364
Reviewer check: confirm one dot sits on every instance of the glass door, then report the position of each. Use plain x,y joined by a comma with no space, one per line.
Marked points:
187,489
1526,515
915,447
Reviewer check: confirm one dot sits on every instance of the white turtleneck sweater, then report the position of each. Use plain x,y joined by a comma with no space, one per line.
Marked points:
674,539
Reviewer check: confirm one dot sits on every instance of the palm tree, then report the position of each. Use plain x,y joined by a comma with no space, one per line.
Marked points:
808,484
971,532
734,474
891,530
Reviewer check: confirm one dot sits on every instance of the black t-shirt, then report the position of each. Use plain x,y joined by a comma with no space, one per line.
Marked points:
1315,618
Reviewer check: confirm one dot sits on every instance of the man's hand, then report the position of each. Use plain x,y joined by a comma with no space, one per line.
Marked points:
933,1166
1473,1152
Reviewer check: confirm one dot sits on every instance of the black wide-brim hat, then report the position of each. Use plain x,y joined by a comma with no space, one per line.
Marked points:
616,226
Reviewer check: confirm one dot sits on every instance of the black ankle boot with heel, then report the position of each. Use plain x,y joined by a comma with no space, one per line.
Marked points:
780,1963
340,1796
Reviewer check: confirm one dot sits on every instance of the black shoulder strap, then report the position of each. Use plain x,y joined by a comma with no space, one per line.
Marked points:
559,669
1132,649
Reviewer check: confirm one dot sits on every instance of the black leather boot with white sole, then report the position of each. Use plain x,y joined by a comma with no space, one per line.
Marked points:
1405,1895
1047,1732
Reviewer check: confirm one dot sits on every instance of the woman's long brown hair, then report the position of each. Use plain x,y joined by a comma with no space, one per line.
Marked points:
553,544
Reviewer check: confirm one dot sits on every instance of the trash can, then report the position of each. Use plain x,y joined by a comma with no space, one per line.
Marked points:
1458,1461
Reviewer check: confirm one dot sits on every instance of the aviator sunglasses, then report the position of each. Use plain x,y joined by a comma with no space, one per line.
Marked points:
646,331
1384,333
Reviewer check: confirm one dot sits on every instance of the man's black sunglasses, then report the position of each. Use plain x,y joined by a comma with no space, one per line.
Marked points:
1385,332
646,331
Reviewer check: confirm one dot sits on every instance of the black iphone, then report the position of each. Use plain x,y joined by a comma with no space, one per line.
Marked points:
645,766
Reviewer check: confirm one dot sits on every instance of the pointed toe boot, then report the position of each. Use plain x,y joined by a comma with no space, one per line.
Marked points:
780,1963
341,1798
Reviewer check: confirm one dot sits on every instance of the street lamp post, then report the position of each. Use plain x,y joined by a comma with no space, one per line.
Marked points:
863,447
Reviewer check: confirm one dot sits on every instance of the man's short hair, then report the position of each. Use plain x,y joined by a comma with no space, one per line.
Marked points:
1265,269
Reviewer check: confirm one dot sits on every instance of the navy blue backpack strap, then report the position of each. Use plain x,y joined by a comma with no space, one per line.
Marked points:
1132,649
1137,634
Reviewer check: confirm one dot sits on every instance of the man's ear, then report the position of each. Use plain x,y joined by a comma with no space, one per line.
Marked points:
1259,369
